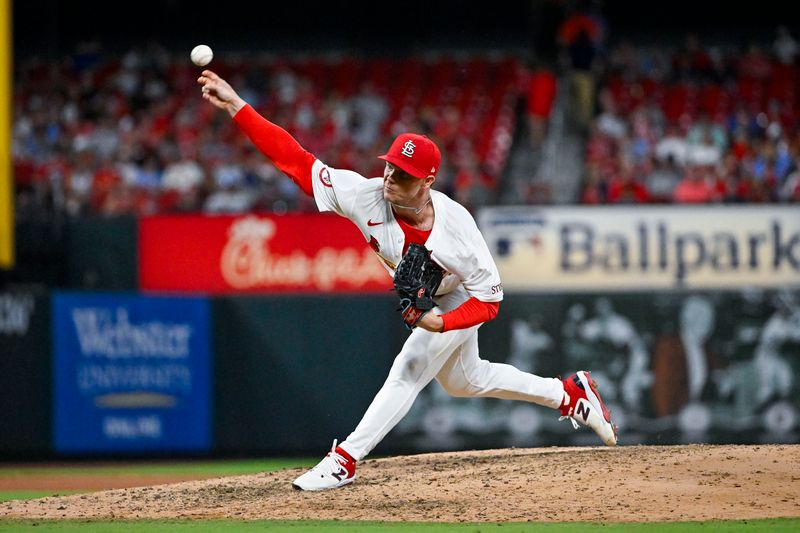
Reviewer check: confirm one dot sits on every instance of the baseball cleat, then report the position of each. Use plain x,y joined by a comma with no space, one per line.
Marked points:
336,470
582,404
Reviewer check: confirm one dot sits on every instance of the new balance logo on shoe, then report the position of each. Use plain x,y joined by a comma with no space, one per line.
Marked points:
335,470
583,410
582,405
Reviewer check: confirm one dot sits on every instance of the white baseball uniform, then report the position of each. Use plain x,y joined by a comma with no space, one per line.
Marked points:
451,357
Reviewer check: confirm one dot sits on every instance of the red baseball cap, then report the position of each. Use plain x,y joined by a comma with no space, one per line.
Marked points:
416,154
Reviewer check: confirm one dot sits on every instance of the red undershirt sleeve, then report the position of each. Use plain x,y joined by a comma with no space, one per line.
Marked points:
470,313
279,146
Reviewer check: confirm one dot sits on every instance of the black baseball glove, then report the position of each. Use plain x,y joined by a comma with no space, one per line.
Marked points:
416,280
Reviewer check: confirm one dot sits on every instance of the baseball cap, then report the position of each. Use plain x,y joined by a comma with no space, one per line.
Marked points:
416,154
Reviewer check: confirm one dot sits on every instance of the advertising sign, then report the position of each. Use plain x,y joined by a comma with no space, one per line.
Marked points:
229,254
673,367
654,247
25,369
131,373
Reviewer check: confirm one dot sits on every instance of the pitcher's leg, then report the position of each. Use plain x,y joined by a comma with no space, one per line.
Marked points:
419,361
577,397
466,374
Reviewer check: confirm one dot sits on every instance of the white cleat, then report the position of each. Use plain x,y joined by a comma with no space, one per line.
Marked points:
336,470
582,404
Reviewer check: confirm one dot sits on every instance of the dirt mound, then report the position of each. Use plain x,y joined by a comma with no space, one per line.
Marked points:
636,483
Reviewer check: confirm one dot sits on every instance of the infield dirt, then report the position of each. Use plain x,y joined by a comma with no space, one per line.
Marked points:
628,483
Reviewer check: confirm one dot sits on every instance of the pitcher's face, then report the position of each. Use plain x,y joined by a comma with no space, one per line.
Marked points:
400,187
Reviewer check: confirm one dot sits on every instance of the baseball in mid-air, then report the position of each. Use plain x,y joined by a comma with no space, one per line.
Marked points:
201,55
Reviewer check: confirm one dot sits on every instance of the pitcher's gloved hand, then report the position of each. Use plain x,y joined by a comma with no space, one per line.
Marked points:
416,280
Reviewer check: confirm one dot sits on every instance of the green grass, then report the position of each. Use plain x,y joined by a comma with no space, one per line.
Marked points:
31,494
733,526
188,468
233,467
182,468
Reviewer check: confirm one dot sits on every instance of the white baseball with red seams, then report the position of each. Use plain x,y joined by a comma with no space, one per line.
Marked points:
201,55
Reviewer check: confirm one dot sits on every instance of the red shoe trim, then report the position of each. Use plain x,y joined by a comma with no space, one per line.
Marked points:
351,463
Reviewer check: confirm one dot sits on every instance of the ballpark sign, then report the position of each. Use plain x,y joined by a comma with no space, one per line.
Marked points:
652,247
225,254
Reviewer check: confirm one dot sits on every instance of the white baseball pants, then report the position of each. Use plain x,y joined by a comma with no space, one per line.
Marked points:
452,358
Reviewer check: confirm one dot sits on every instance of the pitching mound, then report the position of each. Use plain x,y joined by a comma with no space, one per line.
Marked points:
638,483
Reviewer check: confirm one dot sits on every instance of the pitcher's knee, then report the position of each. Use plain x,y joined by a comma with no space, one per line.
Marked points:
408,366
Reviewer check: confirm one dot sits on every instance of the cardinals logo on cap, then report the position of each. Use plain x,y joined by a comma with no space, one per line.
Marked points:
414,154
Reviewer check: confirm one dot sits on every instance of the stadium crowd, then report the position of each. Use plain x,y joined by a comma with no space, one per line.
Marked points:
104,134
696,125
94,134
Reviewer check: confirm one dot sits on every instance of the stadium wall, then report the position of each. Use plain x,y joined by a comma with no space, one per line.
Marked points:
285,372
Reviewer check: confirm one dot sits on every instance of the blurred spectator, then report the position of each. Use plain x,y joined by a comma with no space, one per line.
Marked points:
580,36
625,187
183,182
184,174
79,181
672,146
609,121
790,191
784,47
703,153
473,185
694,188
148,174
368,116
727,122
541,96
229,200
106,179
662,180
595,189
703,131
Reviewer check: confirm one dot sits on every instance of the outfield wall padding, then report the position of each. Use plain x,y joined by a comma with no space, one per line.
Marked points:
25,372
294,372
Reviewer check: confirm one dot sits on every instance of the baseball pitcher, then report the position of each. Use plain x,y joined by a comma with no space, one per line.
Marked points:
444,275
